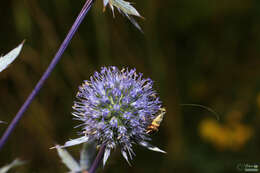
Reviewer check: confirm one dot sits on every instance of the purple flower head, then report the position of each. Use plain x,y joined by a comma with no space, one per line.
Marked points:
116,107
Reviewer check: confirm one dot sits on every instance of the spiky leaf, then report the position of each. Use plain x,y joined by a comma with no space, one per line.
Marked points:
15,163
68,160
6,60
124,8
87,155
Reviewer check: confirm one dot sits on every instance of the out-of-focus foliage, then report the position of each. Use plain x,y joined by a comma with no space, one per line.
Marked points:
68,160
203,52
87,155
15,163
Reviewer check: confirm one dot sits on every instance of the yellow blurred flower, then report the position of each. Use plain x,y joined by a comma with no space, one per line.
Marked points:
230,136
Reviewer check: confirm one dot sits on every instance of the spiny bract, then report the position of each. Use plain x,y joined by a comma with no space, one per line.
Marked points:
116,107
125,8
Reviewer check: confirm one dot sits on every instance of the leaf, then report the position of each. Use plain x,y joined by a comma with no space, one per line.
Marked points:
68,160
6,60
124,8
3,122
87,155
106,155
15,163
73,142
125,156
151,147
132,20
105,2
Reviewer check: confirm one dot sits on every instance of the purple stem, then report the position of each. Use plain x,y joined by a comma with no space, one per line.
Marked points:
97,160
48,71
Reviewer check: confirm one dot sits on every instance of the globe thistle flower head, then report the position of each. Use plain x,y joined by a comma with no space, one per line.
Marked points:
116,107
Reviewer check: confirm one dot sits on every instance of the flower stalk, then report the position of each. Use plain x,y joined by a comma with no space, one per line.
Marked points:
47,73
97,160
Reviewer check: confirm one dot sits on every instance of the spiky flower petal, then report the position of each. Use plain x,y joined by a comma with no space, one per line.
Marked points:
116,107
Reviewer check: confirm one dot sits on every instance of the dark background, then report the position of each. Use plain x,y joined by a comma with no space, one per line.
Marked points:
205,52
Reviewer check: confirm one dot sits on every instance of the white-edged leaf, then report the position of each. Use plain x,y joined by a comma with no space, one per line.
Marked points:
106,155
125,156
132,20
15,163
10,57
73,142
105,2
125,7
151,147
68,160
87,155
3,122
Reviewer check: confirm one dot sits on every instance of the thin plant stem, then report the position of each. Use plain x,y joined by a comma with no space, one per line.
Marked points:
47,73
97,160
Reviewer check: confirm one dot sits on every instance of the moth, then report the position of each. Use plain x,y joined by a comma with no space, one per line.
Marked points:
153,127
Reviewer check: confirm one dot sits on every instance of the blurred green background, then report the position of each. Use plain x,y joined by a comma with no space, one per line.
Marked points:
203,52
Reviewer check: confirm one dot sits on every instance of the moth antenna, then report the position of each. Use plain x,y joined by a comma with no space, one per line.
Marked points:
204,107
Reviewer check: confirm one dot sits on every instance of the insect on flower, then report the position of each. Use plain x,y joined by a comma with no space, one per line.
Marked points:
153,127
115,108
